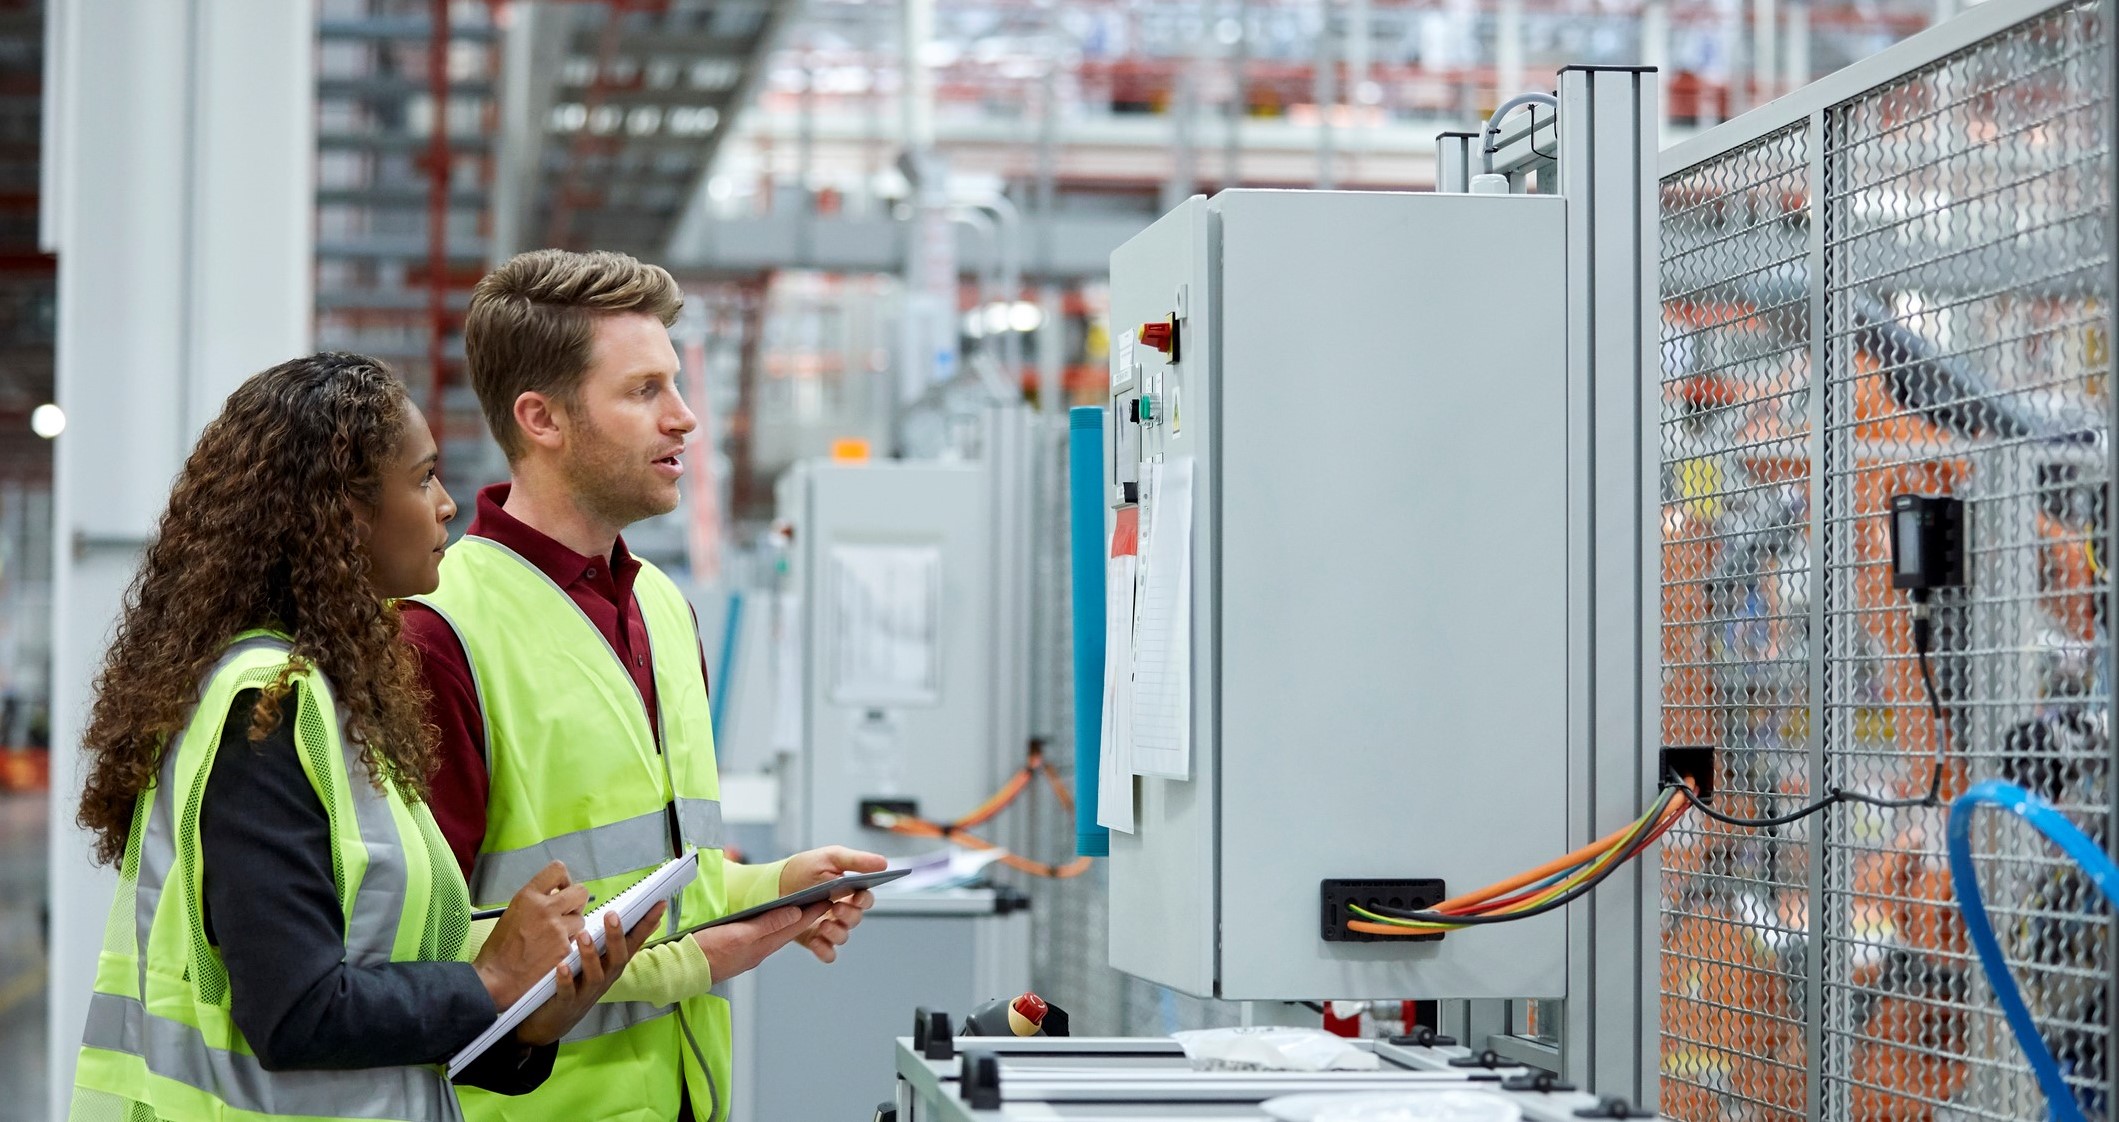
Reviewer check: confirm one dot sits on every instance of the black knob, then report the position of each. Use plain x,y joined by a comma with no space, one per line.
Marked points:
1488,1059
941,1039
1612,1106
1543,1082
980,1083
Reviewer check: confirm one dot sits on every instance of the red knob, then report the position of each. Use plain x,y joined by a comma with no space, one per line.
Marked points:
1032,1007
1161,335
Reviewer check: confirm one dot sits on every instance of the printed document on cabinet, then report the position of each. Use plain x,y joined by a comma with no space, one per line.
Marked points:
1162,649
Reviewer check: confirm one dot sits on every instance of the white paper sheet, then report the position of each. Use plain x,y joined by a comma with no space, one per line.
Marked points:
949,867
1114,785
1162,654
886,624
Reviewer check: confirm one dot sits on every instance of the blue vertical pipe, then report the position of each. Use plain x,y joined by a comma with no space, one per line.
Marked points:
1085,508
724,675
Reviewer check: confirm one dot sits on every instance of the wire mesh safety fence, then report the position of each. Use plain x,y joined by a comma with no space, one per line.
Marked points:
1736,595
1951,284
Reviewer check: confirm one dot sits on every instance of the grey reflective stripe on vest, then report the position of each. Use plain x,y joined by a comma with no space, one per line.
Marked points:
700,819
615,1016
179,1052
379,900
630,845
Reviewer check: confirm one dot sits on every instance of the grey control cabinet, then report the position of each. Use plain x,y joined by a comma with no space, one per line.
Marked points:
1372,390
896,675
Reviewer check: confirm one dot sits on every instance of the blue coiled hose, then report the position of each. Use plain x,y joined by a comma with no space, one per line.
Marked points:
2087,854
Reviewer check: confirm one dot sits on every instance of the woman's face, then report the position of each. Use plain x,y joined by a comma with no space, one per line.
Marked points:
408,527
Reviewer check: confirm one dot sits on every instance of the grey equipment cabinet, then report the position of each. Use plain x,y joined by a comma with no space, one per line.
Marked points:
809,1037
1371,389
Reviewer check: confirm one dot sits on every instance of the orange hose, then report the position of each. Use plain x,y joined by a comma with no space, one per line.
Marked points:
1059,789
999,802
957,831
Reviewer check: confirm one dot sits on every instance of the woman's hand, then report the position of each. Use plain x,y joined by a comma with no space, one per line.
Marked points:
578,993
532,936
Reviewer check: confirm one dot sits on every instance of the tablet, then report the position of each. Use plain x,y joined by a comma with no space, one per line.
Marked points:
815,894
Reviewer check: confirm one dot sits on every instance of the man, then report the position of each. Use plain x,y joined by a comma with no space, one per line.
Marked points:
569,684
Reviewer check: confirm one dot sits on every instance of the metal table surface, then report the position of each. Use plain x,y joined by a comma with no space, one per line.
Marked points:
1125,1079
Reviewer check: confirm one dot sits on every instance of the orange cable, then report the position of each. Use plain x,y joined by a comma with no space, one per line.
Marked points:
1369,927
959,833
1521,880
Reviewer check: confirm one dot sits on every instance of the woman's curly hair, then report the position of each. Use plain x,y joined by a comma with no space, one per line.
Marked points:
261,532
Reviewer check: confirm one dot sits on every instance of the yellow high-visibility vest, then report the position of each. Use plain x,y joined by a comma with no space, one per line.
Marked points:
160,1043
579,774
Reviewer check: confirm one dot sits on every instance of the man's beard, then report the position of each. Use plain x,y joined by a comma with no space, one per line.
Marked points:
606,485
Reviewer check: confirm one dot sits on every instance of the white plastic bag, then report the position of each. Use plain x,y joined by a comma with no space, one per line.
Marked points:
1272,1048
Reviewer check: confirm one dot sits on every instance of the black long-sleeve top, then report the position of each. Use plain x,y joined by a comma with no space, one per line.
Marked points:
273,909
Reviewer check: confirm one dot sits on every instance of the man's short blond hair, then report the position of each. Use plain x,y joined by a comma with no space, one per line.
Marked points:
532,319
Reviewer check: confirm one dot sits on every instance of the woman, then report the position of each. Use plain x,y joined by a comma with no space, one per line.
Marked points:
291,936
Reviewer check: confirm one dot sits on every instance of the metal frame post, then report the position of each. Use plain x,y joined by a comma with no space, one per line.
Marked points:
2109,11
1820,617
1607,173
1454,154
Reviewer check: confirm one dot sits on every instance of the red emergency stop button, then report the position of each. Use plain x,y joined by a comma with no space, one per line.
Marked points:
1160,335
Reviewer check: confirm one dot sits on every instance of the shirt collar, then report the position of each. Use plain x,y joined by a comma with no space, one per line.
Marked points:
553,559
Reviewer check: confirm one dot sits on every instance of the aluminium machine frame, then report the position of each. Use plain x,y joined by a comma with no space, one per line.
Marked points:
1601,158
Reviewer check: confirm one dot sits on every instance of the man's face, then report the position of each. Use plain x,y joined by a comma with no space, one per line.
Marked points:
627,424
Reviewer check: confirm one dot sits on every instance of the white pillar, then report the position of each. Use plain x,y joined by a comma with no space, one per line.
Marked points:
1508,50
1730,17
1655,50
1795,53
916,83
183,229
1325,86
1765,29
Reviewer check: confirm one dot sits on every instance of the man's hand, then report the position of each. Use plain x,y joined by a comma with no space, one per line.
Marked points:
733,948
578,993
830,931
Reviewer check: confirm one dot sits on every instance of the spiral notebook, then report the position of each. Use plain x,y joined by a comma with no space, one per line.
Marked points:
630,905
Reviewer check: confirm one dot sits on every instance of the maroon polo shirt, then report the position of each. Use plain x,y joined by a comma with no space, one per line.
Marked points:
601,586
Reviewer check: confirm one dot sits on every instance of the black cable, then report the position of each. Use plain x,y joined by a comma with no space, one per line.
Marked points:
1921,637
